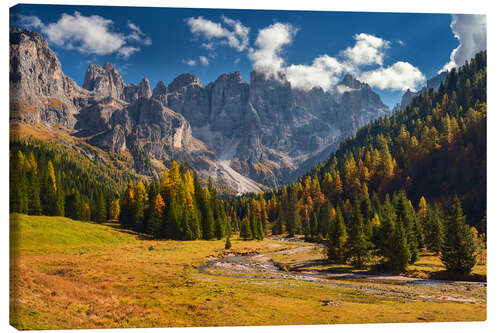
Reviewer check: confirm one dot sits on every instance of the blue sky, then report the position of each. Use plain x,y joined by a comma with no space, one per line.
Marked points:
390,51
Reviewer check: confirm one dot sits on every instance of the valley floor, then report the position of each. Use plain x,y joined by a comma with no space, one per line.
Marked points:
70,274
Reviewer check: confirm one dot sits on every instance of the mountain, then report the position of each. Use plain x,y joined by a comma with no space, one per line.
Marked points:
246,136
432,83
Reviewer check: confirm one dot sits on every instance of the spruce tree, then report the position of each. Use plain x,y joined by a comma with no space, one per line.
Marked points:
434,237
391,239
227,245
101,208
459,250
357,244
337,239
407,218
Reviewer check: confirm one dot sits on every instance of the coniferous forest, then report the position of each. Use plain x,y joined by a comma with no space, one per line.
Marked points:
405,182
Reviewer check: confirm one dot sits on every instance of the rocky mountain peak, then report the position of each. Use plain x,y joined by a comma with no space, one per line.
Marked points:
276,79
230,77
39,91
160,89
105,81
351,82
182,81
145,89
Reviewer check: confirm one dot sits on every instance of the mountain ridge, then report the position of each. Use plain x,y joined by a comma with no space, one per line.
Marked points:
246,133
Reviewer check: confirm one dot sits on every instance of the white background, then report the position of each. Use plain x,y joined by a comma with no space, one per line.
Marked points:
429,6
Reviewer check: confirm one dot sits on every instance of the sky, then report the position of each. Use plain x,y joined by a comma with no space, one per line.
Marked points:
392,52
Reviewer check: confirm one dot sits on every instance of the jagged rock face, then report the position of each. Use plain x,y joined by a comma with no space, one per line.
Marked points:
131,92
39,91
268,131
158,132
160,89
105,81
187,96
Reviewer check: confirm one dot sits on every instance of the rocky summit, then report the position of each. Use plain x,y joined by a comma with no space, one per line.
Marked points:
246,135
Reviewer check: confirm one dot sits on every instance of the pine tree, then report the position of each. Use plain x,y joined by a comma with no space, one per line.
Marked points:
141,199
127,211
337,239
391,239
434,237
227,245
459,250
114,209
18,184
101,208
74,205
325,218
156,216
50,194
293,216
246,230
407,217
357,244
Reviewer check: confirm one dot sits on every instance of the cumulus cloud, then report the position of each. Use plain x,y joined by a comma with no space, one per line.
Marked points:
204,60
368,50
399,76
324,72
470,30
266,56
88,34
233,33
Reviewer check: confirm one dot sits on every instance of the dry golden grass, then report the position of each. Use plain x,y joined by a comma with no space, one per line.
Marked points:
145,283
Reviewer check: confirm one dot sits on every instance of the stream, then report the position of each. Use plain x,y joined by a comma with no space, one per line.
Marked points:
258,267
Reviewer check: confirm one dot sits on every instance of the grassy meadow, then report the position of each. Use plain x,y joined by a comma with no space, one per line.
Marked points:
70,274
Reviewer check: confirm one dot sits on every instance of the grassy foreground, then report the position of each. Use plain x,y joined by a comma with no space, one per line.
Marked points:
70,274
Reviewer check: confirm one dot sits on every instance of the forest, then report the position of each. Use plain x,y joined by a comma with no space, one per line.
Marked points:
405,182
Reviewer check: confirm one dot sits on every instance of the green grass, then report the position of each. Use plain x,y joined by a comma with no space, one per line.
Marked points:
44,234
68,274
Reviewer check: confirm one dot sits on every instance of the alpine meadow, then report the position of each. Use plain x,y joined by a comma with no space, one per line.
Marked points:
323,179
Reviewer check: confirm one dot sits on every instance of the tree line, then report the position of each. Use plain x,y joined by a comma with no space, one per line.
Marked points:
50,179
175,207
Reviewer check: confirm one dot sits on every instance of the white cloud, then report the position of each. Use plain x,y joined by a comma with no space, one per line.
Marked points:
137,34
204,60
400,42
470,30
190,62
30,21
236,61
266,56
208,46
127,51
235,35
88,34
368,50
324,72
399,76
341,89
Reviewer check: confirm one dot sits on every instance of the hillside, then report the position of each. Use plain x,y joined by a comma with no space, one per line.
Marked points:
50,234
